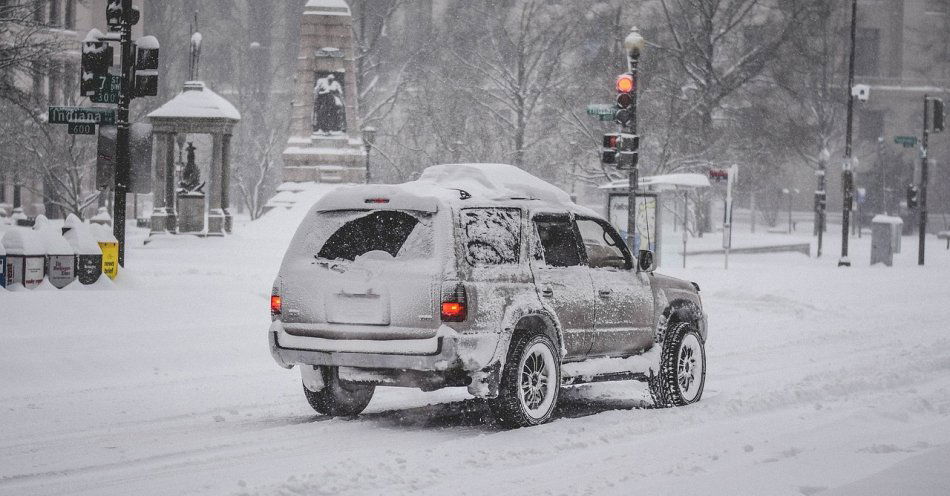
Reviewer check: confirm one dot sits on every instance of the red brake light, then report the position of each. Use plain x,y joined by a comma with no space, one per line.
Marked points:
453,311
376,200
275,305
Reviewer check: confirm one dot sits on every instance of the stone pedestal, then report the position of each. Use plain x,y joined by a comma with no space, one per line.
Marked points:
326,48
191,213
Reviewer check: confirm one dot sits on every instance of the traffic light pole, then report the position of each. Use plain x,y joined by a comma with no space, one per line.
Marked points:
847,174
922,198
122,163
630,127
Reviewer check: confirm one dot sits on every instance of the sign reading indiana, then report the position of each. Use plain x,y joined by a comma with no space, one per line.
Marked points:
66,115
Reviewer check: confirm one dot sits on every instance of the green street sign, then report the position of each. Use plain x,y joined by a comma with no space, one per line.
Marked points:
603,111
81,128
907,141
107,89
66,115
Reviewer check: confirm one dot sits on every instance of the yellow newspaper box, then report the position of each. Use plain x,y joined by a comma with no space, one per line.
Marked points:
110,249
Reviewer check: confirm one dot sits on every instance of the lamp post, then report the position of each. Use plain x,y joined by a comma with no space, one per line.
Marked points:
633,44
369,137
847,173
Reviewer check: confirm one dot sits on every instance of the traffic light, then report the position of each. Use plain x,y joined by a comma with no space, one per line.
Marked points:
115,15
938,115
145,82
912,196
96,61
626,86
608,154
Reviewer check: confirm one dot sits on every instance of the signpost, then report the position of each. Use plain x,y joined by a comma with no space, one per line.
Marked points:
107,89
97,116
906,141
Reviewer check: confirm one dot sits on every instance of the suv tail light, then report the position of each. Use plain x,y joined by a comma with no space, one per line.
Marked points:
274,305
454,304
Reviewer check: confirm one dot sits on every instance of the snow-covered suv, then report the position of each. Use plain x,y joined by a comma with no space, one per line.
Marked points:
477,275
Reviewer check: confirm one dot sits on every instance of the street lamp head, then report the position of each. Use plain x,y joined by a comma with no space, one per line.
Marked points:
634,43
369,135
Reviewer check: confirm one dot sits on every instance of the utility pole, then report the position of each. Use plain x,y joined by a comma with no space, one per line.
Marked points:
847,174
922,195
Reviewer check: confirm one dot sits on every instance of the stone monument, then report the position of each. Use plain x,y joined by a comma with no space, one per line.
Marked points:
191,200
325,144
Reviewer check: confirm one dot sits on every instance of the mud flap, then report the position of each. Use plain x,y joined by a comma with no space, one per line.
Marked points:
485,381
312,376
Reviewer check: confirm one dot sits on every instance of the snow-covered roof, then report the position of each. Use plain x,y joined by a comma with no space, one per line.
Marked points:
663,182
327,7
450,183
196,101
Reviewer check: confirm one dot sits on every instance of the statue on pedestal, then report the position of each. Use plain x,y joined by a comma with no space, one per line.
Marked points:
190,175
329,109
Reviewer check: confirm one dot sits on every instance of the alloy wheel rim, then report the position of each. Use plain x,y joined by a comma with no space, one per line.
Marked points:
536,385
689,368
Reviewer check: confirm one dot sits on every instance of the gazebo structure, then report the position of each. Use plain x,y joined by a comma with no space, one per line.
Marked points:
196,110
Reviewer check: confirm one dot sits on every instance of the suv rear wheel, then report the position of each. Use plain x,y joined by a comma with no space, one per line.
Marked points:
682,368
339,398
530,382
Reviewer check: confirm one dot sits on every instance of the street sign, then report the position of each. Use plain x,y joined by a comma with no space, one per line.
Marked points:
65,115
81,128
906,141
107,89
603,111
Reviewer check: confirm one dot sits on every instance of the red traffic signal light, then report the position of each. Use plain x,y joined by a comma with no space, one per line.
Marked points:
610,140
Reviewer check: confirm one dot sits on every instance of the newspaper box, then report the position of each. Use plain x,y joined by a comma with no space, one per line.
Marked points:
110,249
60,255
88,253
26,257
3,266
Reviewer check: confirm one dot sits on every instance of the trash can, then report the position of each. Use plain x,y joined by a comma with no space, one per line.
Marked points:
88,253
60,255
885,238
26,258
110,249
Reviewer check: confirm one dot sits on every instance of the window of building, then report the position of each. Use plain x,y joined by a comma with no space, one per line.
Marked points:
39,11
70,82
69,18
54,13
871,125
867,45
39,81
54,81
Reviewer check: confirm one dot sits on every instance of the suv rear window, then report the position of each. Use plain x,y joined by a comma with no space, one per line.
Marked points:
491,236
402,235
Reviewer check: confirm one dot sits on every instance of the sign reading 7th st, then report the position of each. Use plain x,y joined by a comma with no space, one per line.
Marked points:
65,115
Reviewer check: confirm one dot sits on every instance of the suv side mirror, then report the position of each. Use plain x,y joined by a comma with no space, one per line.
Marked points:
646,262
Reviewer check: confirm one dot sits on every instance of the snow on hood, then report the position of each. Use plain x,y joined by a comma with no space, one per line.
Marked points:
52,237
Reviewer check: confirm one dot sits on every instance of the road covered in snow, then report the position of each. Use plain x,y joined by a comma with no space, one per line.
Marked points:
820,381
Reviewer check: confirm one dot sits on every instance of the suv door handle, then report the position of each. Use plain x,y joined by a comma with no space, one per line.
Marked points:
604,293
546,291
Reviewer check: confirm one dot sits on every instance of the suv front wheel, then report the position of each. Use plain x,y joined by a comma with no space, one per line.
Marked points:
530,382
682,368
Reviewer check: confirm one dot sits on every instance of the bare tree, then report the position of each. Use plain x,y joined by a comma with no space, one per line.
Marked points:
26,46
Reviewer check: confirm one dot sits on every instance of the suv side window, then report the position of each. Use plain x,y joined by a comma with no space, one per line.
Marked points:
491,236
604,247
558,241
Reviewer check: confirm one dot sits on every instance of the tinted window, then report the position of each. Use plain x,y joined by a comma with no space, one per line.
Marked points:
393,232
558,241
492,236
603,245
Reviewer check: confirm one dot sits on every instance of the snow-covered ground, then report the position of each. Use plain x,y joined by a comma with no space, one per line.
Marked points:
820,381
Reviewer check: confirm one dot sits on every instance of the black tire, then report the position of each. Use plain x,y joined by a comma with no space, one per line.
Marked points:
338,398
512,408
668,388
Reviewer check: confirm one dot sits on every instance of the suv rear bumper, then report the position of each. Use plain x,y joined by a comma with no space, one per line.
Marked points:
436,354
